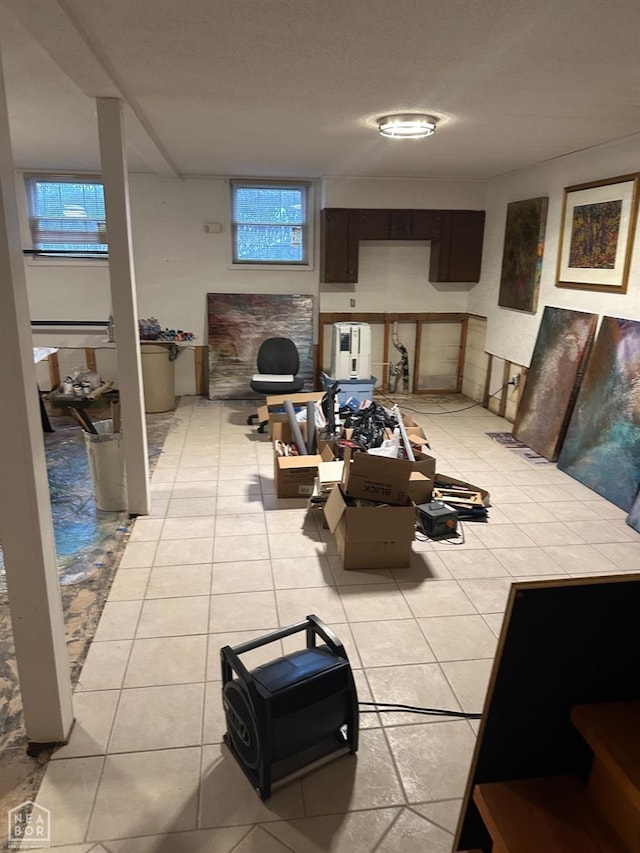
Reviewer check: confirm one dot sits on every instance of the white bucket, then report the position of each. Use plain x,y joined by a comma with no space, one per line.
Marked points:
106,461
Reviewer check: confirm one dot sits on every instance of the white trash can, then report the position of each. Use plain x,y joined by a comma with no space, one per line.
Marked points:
106,462
159,377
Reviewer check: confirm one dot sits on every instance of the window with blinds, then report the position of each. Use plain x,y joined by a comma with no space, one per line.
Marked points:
270,222
66,214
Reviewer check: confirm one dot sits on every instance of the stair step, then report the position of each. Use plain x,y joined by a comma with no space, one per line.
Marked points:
551,814
612,730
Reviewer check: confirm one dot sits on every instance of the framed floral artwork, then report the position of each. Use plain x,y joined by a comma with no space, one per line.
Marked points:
596,235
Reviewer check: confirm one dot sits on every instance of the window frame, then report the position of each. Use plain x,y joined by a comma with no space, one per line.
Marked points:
308,226
79,257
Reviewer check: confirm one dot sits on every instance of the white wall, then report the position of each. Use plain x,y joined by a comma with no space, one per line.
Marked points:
394,275
403,192
511,334
177,263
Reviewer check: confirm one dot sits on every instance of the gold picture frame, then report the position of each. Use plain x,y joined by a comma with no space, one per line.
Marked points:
596,235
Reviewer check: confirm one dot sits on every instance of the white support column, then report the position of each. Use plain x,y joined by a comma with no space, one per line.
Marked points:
26,527
123,300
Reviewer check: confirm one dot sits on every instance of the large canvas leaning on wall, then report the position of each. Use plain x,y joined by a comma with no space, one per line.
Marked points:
560,353
602,445
239,322
522,255
633,519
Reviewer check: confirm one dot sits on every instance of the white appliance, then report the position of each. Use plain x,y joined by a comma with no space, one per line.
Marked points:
351,351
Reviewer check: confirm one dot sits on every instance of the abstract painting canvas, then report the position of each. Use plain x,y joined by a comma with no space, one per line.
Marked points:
560,353
602,445
239,322
522,256
633,519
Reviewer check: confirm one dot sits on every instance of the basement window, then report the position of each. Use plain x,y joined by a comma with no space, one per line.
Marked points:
270,223
66,216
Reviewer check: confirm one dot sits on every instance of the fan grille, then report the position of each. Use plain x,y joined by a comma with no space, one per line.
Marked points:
241,724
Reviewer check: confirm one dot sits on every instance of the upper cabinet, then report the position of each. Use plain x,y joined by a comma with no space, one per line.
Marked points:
455,235
339,236
399,224
457,255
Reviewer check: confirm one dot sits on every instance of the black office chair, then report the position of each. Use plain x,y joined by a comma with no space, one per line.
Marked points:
278,366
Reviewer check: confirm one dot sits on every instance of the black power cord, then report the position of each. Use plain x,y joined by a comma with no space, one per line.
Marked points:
390,707
452,412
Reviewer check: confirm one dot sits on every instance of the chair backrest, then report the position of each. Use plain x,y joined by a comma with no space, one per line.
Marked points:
278,356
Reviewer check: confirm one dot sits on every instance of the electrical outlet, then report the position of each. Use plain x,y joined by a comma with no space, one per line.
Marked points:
515,380
352,303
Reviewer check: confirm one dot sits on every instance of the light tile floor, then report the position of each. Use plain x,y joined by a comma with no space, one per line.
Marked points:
221,560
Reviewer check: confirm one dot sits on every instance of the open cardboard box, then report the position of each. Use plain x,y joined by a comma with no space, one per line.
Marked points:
294,476
273,409
329,476
371,537
393,481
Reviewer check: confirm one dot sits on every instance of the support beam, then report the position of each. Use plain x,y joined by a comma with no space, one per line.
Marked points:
26,527
78,52
123,300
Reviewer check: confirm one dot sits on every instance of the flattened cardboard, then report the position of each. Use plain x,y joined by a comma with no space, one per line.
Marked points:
448,482
330,472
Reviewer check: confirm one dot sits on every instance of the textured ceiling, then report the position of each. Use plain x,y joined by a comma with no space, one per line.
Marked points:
292,87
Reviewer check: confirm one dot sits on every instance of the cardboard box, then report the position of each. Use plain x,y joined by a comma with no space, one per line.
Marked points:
294,476
420,488
329,475
280,430
377,478
273,410
370,537
424,464
390,480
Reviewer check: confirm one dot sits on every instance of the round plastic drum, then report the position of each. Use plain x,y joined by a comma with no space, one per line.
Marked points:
159,378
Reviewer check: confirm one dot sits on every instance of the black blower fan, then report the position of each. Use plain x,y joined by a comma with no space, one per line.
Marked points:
293,712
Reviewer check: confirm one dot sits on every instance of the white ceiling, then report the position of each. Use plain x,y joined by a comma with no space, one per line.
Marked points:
292,87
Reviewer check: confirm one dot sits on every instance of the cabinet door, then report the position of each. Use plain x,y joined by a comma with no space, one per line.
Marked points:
339,234
386,225
457,255
427,225
400,225
374,225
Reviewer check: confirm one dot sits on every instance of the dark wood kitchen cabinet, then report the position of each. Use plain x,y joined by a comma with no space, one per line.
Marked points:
457,255
399,225
455,236
339,237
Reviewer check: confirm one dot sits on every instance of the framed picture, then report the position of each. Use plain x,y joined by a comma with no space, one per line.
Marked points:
596,236
522,255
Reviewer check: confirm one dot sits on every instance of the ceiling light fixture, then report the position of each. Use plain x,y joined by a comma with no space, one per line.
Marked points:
407,126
